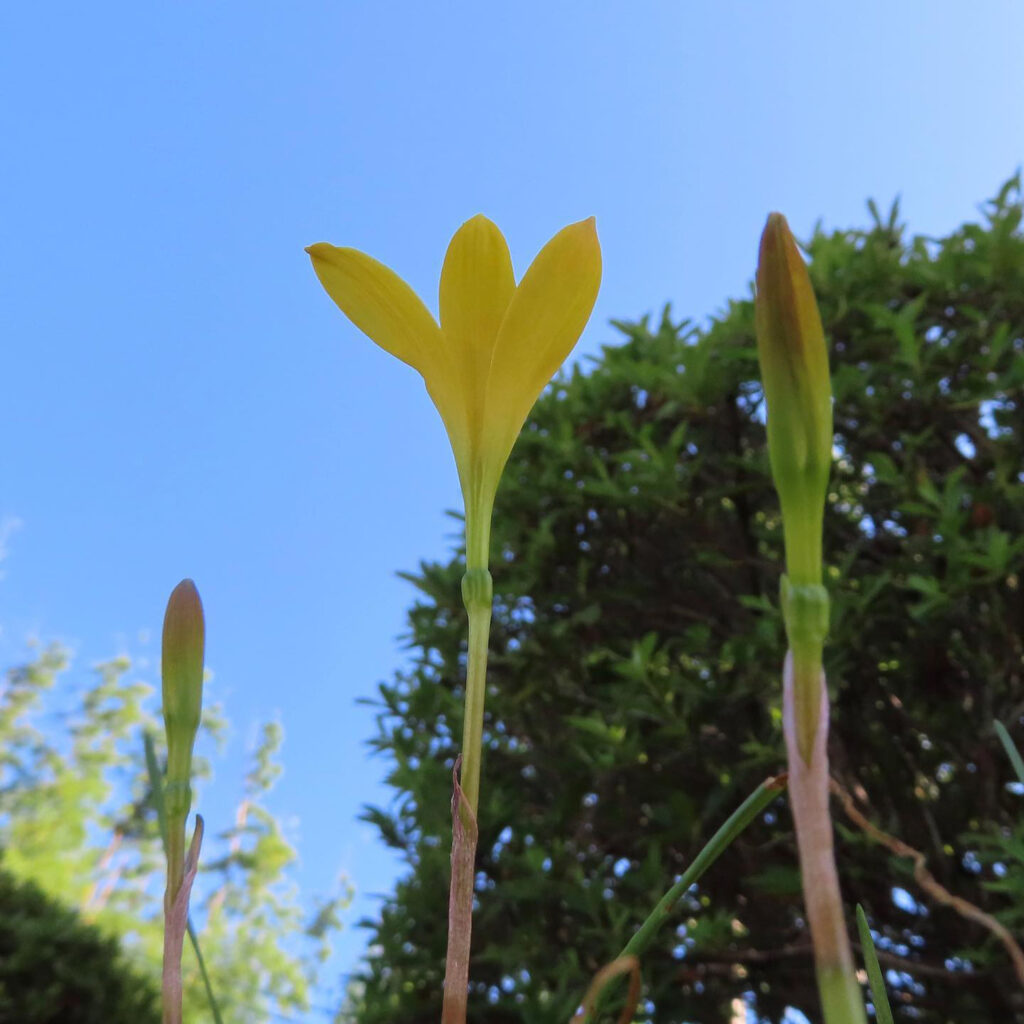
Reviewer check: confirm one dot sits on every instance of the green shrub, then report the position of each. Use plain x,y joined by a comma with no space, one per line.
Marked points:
56,969
634,693
77,820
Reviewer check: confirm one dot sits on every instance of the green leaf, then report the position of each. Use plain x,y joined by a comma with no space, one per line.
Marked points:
1011,749
883,1013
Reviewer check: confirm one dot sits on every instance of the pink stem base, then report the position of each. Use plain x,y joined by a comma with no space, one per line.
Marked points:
809,798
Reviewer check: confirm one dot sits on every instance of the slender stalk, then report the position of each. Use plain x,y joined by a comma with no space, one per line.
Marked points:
184,638
809,794
734,825
177,802
805,716
794,369
157,789
477,594
478,597
175,928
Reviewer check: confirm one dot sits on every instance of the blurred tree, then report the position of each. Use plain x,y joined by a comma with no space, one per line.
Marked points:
634,686
54,969
76,820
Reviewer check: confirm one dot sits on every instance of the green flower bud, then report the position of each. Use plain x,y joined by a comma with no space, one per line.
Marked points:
794,369
182,672
183,642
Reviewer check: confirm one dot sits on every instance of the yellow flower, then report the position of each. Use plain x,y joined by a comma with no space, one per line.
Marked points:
794,367
496,347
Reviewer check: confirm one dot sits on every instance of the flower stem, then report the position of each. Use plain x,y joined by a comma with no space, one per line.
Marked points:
477,594
809,793
177,799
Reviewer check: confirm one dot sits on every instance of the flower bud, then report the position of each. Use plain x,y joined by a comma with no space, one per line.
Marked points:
794,370
183,642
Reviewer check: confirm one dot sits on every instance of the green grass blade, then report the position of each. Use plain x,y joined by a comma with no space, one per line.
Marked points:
883,1013
1011,750
736,823
157,789
210,998
156,786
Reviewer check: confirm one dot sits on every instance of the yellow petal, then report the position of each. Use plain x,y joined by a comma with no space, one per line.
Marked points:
544,321
380,304
477,284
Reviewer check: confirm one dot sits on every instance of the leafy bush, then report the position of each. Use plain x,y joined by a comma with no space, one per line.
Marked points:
76,819
55,969
634,694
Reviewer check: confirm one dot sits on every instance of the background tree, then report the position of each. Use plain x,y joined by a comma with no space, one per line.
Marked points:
77,824
634,691
55,969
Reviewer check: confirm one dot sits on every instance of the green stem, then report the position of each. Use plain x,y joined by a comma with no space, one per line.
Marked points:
157,790
477,594
177,803
803,514
805,611
175,861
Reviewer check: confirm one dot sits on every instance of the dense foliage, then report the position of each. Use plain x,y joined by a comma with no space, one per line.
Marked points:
634,679
55,969
77,822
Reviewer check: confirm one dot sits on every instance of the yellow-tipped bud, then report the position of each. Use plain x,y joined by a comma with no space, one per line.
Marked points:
794,369
183,643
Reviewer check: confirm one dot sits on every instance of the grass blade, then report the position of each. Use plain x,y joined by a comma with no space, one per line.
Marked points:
156,784
1011,749
883,1013
210,998
736,823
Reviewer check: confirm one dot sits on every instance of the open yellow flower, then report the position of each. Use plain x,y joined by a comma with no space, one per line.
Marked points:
496,347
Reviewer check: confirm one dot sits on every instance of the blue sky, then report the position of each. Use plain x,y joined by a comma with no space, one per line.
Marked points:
180,398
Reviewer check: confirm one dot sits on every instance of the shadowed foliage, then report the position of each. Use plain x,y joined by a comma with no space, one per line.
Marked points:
634,678
77,821
56,969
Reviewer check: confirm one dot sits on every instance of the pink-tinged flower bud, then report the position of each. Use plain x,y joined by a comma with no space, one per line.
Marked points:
182,672
794,369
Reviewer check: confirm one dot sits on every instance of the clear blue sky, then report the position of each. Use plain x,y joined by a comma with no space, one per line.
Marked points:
179,396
